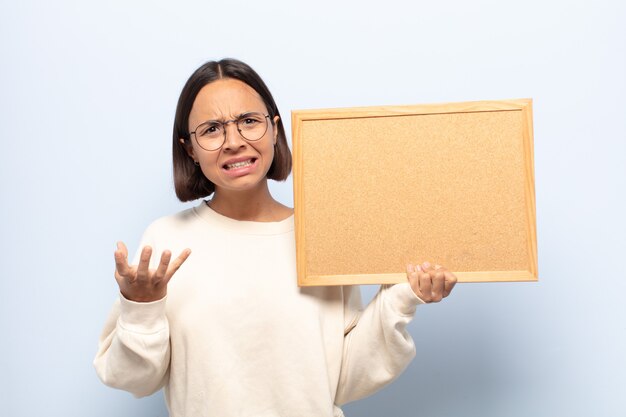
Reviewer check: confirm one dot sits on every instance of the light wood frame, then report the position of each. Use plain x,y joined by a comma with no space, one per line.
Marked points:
506,123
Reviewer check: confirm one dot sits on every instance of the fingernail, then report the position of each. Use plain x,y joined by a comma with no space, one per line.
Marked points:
437,266
426,265
419,268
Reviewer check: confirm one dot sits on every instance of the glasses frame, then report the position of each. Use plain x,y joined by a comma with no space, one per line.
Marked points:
225,123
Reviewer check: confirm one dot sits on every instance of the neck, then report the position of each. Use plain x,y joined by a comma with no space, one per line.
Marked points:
250,205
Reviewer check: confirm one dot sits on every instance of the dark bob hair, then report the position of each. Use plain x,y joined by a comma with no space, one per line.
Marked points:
189,181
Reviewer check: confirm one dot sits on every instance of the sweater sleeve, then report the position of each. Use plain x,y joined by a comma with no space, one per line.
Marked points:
377,346
134,347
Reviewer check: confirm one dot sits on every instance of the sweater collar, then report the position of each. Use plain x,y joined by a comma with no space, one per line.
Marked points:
244,226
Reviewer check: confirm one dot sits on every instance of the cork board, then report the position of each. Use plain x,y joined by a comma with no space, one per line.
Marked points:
378,187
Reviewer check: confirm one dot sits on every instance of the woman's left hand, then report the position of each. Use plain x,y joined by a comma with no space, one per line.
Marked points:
430,283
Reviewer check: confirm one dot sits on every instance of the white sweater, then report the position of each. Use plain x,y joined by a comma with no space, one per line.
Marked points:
236,336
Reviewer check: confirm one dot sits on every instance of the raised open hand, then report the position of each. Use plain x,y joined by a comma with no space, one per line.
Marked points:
430,283
140,283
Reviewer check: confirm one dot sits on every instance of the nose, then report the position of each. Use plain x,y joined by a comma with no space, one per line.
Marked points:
232,137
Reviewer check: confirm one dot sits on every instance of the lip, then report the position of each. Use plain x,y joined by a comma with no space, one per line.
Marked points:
233,160
238,172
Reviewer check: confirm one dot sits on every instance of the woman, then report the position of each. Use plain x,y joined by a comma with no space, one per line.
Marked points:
232,334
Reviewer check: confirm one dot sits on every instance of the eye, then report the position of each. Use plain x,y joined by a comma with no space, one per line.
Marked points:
250,120
209,129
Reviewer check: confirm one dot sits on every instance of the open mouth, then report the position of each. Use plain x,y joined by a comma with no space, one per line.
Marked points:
241,164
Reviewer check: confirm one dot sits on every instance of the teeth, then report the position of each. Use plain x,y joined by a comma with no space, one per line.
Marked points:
240,164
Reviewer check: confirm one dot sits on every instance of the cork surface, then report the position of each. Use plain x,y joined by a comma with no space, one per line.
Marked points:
378,192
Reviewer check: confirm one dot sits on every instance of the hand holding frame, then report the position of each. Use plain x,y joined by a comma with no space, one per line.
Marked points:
430,283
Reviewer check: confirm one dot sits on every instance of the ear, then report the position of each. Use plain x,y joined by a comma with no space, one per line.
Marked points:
188,148
276,119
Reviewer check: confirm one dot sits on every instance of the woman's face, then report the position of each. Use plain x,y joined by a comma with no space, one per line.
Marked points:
223,100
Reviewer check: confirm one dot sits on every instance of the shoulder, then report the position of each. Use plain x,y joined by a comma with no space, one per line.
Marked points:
174,222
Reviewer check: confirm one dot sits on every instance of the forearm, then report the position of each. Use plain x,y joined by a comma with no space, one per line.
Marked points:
379,347
134,349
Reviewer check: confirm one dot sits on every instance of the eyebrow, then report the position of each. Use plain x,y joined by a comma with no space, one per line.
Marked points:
236,118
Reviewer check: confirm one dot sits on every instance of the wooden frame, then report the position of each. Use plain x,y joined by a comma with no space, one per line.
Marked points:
378,187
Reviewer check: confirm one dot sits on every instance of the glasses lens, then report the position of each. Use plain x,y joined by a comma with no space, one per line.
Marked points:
252,126
210,135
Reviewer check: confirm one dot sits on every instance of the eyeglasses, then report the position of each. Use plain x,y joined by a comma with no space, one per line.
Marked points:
211,134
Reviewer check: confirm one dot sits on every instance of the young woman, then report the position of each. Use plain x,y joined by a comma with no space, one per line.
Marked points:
224,327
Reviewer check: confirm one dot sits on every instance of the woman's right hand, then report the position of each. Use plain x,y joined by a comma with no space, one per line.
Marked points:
140,283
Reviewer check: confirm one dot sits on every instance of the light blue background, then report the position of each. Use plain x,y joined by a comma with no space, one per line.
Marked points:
88,92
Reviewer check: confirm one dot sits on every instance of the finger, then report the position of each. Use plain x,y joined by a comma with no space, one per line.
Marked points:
176,264
121,259
426,286
411,275
166,256
122,247
410,269
450,282
143,270
429,269
438,286
441,268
